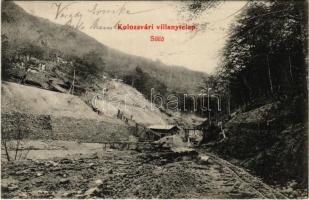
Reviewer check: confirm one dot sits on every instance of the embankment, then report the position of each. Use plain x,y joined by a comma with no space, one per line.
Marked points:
33,126
270,142
42,114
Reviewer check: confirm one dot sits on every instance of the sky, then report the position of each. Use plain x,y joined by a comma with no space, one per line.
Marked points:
196,50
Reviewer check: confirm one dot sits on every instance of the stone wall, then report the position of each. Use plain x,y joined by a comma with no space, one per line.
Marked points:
28,125
89,130
63,128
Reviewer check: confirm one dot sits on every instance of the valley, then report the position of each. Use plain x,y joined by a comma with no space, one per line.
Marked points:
82,120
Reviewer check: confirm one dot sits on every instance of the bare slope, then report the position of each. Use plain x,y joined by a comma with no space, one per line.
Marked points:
43,114
130,103
26,99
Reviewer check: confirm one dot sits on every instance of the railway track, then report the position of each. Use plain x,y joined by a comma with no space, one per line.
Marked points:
257,185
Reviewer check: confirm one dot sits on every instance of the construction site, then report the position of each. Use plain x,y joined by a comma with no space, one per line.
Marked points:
69,149
81,119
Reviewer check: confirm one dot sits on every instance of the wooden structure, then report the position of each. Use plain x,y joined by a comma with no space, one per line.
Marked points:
164,130
123,145
196,131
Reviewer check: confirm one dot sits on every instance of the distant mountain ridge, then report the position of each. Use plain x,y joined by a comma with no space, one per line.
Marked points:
21,29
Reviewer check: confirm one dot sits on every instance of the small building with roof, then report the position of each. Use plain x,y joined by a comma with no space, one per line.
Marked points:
164,130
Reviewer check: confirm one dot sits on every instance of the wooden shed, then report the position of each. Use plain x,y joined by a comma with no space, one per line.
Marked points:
164,130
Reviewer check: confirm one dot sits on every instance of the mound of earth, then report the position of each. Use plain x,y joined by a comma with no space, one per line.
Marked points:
27,99
254,116
45,114
118,98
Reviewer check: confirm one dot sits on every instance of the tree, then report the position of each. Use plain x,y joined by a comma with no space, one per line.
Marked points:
143,82
266,51
14,130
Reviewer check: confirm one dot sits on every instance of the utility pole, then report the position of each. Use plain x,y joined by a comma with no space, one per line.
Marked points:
72,85
228,99
290,64
73,81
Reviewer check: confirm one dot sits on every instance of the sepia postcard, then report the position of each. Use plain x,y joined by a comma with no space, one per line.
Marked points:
202,99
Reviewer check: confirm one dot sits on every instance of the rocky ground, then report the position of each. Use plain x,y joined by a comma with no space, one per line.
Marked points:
130,174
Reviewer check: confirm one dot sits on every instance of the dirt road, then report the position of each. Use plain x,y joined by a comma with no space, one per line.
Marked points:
126,174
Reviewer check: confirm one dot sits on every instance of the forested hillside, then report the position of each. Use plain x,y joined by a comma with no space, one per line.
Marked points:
263,83
24,34
265,55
